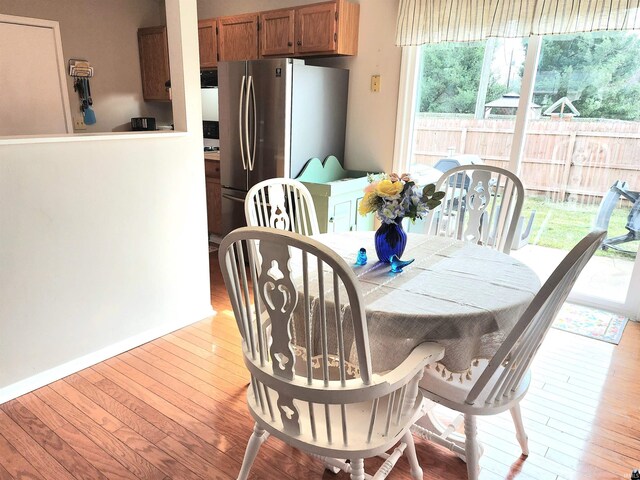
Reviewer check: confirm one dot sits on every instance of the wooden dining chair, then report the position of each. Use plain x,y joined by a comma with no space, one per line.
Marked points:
482,204
304,340
501,383
282,203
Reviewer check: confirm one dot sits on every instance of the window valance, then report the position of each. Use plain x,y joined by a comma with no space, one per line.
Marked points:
435,21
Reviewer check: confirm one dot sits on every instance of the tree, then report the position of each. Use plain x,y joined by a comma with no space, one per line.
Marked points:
450,76
598,72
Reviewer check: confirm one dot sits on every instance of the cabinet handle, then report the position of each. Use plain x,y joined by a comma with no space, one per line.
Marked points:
299,42
331,220
289,44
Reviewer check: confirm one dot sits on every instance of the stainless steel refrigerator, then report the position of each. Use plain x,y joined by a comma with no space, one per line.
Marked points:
275,115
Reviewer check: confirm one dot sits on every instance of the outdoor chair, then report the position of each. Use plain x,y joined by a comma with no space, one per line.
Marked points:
608,205
500,383
281,203
316,392
484,208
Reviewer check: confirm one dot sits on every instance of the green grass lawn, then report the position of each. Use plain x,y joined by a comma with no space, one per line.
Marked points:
561,225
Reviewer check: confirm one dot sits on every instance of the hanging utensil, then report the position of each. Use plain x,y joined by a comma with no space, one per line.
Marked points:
89,100
89,114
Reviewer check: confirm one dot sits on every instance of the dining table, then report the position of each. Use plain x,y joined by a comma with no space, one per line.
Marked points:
463,296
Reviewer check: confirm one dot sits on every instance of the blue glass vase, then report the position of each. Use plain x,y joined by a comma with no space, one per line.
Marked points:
390,239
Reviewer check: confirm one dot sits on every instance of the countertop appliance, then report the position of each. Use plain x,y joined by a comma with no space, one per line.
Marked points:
275,115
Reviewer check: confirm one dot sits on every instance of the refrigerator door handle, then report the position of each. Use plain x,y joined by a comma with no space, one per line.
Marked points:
246,122
252,158
242,94
231,197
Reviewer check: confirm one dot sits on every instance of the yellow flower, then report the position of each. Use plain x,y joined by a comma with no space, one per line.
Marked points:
367,204
387,188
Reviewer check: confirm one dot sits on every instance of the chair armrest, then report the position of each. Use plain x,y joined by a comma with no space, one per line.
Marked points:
353,390
420,357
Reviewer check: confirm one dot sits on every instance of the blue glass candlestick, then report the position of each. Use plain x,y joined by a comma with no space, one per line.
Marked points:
397,265
362,257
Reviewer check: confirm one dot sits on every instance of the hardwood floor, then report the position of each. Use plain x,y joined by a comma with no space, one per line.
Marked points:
175,409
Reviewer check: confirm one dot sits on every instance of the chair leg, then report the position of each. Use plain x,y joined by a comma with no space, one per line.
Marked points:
521,435
471,446
257,439
416,470
357,469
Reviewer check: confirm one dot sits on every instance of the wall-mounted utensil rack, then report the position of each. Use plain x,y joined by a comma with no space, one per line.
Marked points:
80,68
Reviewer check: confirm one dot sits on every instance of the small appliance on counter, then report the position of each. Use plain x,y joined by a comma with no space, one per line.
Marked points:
139,124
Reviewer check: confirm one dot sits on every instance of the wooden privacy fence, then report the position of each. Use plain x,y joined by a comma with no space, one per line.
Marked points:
563,160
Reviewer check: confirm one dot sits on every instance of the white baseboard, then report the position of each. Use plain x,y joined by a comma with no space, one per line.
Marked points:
56,373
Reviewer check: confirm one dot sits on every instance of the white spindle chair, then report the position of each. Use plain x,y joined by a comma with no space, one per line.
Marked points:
326,402
281,203
482,204
501,383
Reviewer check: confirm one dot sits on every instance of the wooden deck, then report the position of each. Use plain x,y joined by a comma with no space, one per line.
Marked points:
175,409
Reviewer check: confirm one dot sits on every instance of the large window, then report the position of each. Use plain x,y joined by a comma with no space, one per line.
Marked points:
578,152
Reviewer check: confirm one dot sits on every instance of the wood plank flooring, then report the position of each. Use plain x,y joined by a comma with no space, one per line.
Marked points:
175,409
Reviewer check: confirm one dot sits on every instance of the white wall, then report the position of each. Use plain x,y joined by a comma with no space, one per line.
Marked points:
371,117
103,239
105,33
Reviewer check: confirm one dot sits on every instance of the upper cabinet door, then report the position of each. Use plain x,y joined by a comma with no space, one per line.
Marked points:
316,28
238,37
277,30
208,43
154,62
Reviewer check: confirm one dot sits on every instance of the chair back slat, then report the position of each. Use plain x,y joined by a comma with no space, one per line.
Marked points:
389,413
257,302
308,331
372,418
312,421
482,204
247,304
339,329
281,203
345,429
518,350
323,324
327,422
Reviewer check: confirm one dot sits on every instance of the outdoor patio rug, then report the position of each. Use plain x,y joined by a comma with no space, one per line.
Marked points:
591,322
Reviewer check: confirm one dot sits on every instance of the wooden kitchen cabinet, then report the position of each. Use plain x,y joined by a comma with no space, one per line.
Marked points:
329,28
277,33
238,37
214,193
316,28
208,43
154,63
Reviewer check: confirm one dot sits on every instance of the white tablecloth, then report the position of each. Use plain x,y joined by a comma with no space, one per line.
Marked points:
463,296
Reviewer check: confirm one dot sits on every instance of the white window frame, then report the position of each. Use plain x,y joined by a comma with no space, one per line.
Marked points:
407,101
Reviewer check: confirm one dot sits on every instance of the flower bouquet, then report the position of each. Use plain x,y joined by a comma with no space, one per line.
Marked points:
393,197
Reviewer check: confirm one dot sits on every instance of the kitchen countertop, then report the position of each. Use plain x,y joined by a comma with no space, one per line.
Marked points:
212,155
